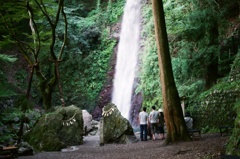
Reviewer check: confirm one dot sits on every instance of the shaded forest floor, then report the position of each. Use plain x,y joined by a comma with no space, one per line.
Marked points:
209,147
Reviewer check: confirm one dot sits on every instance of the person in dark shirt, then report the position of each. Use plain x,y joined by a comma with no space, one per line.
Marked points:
161,124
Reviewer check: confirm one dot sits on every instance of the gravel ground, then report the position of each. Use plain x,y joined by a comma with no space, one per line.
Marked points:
209,147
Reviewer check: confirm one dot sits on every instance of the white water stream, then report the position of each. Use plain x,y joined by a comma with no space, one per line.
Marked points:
127,57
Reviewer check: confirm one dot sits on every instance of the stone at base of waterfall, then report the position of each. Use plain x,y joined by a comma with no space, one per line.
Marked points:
116,129
95,128
87,120
57,130
69,149
25,149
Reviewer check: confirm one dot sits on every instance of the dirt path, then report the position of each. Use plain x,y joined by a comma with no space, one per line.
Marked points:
210,146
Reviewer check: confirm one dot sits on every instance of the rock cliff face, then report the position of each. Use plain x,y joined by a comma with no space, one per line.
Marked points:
105,95
57,130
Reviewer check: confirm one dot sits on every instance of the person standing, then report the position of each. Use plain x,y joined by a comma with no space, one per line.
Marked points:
143,120
153,117
189,121
161,124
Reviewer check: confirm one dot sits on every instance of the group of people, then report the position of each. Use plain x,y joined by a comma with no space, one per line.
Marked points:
155,121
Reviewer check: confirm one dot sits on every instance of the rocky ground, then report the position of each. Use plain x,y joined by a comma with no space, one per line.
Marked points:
209,147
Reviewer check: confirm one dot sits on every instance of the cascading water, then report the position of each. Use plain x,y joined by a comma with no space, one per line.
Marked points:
127,57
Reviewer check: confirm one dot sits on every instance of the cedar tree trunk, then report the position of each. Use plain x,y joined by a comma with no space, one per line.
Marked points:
176,127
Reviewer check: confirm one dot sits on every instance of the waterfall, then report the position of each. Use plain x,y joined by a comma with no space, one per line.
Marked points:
127,57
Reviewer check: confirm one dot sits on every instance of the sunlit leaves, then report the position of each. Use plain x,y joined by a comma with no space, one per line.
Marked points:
7,58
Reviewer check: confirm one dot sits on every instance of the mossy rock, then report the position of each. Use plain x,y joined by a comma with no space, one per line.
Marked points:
57,130
116,129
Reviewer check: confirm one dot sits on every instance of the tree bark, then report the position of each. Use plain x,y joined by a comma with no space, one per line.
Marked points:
212,67
176,127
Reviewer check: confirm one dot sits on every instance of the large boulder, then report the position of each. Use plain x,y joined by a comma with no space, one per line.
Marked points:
57,130
116,129
87,120
25,149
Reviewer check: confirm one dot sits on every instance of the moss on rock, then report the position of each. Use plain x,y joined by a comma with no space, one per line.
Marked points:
117,129
56,130
233,146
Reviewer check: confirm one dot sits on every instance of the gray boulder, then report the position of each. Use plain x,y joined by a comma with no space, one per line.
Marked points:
25,149
87,120
116,129
57,130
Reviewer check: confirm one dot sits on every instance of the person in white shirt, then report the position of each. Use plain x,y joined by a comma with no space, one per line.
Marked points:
189,121
143,120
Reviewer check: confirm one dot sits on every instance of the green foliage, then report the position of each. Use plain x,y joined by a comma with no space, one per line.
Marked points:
10,123
235,69
83,33
21,77
23,103
214,109
87,63
6,89
7,58
114,11
233,145
87,51
191,88
84,81
108,14
193,31
36,40
79,8
197,49
149,73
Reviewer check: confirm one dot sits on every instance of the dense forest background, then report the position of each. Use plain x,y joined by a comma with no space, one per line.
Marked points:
204,39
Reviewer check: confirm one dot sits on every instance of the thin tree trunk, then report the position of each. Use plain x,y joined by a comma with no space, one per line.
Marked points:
176,127
23,118
46,87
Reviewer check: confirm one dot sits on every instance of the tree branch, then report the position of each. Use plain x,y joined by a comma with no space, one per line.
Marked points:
35,31
12,33
65,33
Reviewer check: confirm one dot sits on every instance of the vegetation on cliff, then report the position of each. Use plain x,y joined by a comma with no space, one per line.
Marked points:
204,40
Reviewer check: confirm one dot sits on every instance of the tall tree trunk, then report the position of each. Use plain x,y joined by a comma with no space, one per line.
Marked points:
24,108
212,67
176,127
